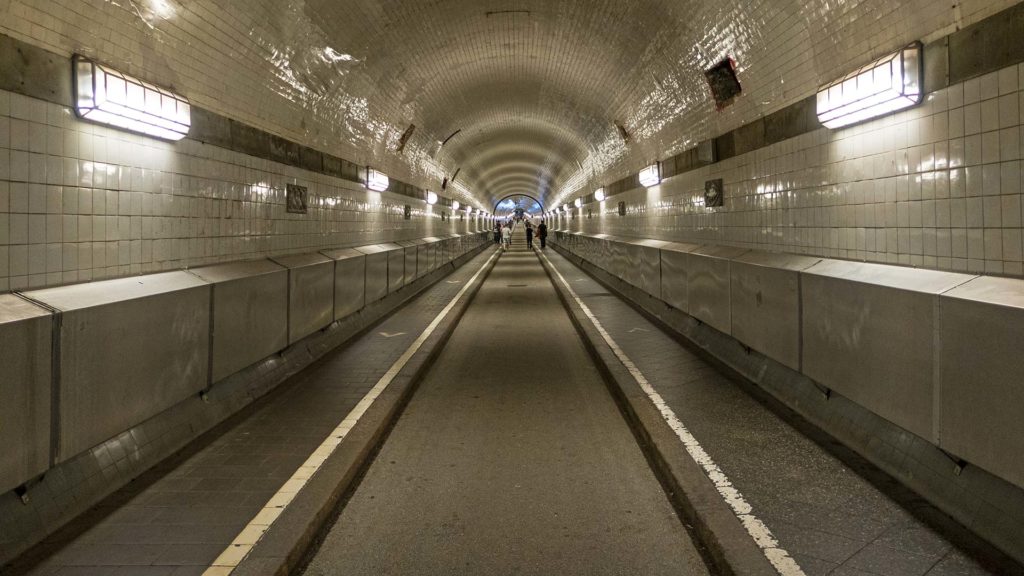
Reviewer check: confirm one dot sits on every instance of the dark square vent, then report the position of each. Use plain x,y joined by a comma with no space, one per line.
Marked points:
725,86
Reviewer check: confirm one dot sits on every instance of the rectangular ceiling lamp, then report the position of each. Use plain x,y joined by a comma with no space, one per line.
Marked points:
377,181
650,176
107,96
886,85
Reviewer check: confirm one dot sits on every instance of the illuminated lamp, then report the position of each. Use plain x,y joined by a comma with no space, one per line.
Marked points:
651,175
431,197
455,204
599,195
884,86
106,96
578,203
377,181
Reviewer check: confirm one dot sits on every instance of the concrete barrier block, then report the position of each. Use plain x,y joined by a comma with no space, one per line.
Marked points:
310,293
26,333
708,278
349,281
765,301
250,313
129,349
869,333
981,375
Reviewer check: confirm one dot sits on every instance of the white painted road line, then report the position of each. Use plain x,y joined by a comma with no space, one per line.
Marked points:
241,546
779,558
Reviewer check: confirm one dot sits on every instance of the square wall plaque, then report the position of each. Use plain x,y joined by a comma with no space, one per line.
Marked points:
714,194
296,198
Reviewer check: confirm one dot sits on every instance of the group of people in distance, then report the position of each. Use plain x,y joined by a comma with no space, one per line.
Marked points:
503,233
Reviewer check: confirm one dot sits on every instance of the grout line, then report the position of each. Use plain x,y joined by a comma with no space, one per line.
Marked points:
779,558
240,547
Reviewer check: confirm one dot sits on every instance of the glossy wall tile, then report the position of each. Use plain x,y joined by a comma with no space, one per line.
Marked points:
81,202
938,186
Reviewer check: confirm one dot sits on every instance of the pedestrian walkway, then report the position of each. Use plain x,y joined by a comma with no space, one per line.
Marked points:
179,517
830,518
512,458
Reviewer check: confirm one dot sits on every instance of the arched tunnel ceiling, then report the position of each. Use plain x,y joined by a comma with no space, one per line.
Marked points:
533,87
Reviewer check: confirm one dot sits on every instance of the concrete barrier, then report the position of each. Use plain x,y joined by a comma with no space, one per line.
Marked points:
250,313
310,293
708,277
349,281
26,331
764,294
128,349
981,375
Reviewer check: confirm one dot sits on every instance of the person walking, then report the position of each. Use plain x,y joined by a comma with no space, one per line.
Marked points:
506,237
529,236
542,233
497,233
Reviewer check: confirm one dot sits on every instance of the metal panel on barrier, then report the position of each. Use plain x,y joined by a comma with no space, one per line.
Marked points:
250,313
410,248
129,349
765,301
26,346
981,374
349,281
376,271
869,334
648,266
708,281
429,251
310,293
396,267
674,258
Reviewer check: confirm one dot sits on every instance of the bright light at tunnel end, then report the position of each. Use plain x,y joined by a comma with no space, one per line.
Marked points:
651,175
377,181
887,85
106,96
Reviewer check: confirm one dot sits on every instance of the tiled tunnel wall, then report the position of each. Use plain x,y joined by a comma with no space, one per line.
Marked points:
938,186
80,202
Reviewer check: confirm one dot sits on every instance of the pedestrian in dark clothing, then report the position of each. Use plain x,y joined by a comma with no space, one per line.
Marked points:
542,233
529,235
497,233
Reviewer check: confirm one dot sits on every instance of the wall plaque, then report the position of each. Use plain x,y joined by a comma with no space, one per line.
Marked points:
714,194
296,198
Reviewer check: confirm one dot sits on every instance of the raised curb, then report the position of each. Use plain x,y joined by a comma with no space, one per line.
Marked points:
284,547
724,541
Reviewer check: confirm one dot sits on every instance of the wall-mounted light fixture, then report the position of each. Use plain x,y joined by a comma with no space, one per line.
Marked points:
107,96
578,203
377,181
431,197
886,85
599,195
651,175
455,204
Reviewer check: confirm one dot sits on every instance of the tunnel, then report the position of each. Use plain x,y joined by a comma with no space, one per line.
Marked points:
482,287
